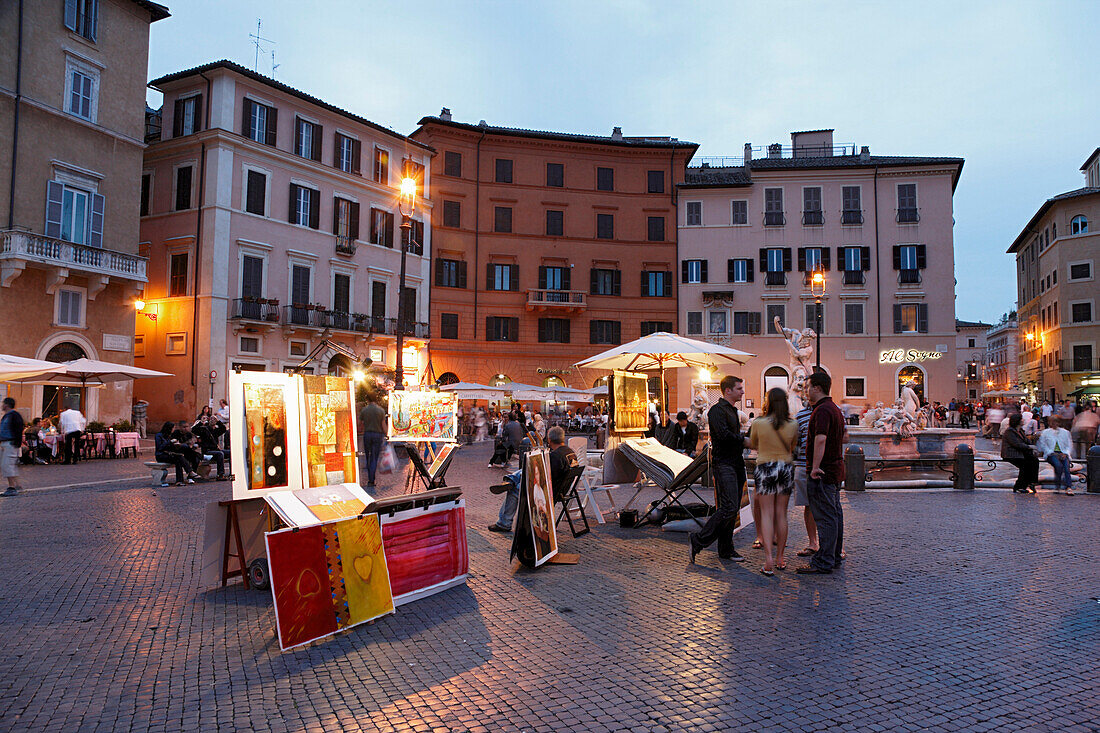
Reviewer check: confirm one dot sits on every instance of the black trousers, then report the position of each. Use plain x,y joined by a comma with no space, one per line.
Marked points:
72,452
824,503
1029,472
182,466
729,482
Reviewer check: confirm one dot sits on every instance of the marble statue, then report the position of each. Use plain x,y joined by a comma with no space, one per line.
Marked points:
896,420
800,347
872,415
909,401
699,406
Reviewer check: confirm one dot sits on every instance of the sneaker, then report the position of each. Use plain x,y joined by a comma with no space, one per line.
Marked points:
499,488
10,491
734,555
494,527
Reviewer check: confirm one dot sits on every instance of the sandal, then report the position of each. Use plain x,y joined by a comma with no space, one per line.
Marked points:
767,572
757,545
781,566
806,552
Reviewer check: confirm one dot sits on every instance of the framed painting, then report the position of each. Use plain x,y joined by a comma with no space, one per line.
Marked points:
328,431
628,394
327,578
539,495
264,433
419,417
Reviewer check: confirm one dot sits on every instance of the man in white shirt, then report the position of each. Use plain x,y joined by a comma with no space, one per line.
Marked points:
71,424
1046,411
1055,445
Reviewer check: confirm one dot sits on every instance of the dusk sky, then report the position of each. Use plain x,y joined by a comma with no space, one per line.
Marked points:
1009,86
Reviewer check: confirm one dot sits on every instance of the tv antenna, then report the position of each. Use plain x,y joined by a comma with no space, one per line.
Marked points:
258,40
274,66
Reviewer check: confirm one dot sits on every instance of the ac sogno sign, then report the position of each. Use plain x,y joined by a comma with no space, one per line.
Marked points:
897,356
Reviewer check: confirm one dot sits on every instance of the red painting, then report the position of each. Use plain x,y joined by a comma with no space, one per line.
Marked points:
425,550
300,578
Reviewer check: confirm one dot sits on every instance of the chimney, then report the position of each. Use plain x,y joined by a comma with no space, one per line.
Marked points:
865,154
775,150
617,133
748,153
483,123
445,114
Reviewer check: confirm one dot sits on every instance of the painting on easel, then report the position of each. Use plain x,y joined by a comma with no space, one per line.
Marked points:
264,430
329,431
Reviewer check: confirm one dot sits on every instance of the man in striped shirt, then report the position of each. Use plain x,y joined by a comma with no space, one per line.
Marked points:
800,498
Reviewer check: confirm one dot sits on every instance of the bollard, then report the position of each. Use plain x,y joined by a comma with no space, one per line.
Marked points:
1092,470
855,469
964,468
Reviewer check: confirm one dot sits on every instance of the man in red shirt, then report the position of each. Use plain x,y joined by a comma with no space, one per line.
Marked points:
825,461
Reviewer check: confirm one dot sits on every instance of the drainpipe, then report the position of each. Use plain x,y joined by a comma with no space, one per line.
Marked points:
15,127
477,224
878,269
198,249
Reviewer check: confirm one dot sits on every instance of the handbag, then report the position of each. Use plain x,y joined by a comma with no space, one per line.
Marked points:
387,461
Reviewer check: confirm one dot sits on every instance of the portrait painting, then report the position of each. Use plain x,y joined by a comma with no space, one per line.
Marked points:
539,495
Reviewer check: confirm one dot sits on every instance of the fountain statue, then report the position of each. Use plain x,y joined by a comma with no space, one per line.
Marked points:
800,345
909,400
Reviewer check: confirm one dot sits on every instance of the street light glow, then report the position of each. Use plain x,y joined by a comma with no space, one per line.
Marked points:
408,187
139,304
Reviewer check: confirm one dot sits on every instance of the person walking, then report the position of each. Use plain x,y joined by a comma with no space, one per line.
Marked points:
728,467
11,445
800,476
71,425
373,419
1055,446
774,437
1083,430
140,412
1017,450
826,462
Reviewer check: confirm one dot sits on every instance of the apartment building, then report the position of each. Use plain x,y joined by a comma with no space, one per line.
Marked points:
272,226
1001,343
753,229
549,247
970,351
1057,253
72,87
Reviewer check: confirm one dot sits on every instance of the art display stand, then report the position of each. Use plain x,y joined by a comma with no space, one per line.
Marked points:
233,537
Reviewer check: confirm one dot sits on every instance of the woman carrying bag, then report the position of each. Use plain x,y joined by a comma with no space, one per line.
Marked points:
1016,449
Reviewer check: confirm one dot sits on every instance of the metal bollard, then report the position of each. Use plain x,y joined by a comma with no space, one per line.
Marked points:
964,468
1092,470
855,469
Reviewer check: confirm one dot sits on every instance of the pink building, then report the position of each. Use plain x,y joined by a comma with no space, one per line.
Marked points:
270,220
751,230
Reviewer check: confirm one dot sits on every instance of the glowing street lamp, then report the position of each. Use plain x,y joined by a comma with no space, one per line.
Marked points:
817,289
408,208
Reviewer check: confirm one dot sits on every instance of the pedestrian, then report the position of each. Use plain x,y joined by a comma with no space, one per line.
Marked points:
1067,412
728,467
774,437
11,444
685,435
1017,450
1083,430
979,415
964,415
826,471
800,476
953,411
1045,412
373,419
513,433
71,424
139,413
167,450
1055,447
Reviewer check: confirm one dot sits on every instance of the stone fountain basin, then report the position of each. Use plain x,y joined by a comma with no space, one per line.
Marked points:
930,443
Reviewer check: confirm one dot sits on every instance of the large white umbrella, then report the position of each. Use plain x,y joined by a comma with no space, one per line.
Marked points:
89,372
554,394
663,350
13,368
474,391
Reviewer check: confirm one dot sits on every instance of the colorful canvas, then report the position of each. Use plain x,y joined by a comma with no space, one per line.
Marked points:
329,431
327,578
426,551
629,403
423,416
540,503
265,421
331,502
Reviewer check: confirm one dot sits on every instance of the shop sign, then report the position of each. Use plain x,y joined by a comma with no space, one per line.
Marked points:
545,370
897,356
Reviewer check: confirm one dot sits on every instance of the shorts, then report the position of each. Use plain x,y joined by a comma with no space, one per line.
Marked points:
9,455
801,498
773,477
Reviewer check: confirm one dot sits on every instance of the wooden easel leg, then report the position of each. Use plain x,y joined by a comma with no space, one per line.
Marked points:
240,545
233,532
225,544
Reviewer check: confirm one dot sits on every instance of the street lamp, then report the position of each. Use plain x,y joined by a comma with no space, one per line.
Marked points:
408,208
817,289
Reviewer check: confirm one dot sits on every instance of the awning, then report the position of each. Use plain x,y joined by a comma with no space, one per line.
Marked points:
1092,389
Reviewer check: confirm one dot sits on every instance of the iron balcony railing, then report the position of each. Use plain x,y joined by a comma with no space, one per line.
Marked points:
1084,364
854,277
851,217
813,218
774,219
344,245
775,278
545,297
254,309
909,277
908,216
15,245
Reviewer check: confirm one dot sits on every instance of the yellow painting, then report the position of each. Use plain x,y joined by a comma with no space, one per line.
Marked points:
363,561
329,431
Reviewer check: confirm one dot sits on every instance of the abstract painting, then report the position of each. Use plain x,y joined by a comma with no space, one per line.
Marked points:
539,496
629,403
329,431
327,578
265,433
426,550
423,416
331,502
265,420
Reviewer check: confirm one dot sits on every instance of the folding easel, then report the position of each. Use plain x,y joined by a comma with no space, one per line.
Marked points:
681,484
431,480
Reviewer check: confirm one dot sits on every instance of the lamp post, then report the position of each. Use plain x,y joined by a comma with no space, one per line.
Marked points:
817,288
408,208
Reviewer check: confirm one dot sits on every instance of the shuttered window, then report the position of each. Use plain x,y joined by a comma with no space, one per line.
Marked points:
252,277
452,164
502,219
177,275
341,293
256,193
555,223
555,175
605,226
503,170
656,227
448,325
183,188
452,214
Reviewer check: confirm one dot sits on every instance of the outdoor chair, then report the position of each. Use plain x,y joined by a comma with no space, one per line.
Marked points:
591,480
571,502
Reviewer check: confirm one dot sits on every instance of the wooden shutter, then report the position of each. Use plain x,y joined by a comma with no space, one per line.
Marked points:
617,332
592,332
198,114
729,270
826,255
922,317
567,278
513,280
70,15
703,269
336,215
922,256
542,277
488,328
337,139
754,322
897,257
462,274
55,194
542,329
293,219
513,329
341,293
763,259
177,118
616,282
802,259
354,228
786,259
490,281
865,258
684,267
318,136
645,281
438,272
749,270
95,237
272,125
246,116
668,284
897,316
593,281
388,216
356,154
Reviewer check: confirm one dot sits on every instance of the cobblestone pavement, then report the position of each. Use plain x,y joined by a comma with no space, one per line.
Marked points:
955,611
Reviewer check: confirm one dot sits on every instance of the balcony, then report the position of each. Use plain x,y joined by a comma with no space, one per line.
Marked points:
344,245
775,279
1083,365
908,216
909,277
320,318
854,277
306,316
557,300
813,218
255,309
851,217
774,219
19,249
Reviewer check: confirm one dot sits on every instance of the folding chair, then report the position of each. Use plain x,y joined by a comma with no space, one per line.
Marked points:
682,484
571,479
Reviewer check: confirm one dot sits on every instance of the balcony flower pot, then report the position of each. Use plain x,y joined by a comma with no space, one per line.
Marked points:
272,317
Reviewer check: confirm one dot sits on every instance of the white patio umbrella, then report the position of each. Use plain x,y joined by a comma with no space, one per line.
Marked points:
474,391
553,394
86,373
13,368
663,350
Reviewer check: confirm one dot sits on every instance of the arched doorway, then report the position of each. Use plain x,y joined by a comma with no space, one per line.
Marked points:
340,366
57,399
775,376
914,374
500,380
448,378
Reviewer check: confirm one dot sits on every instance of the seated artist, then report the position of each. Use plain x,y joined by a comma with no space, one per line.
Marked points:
208,443
684,435
562,458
